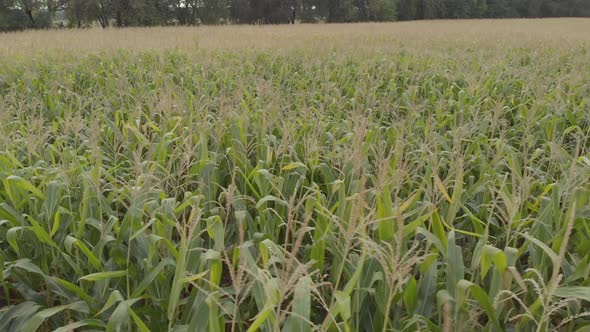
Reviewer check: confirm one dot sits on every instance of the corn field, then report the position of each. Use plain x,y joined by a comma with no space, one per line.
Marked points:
372,180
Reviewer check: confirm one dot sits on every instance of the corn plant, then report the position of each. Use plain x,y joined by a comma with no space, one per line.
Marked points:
441,187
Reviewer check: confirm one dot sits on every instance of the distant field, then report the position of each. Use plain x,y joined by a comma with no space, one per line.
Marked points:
377,36
428,176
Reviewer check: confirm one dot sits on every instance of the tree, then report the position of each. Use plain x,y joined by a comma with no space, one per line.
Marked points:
12,18
25,13
425,9
240,11
478,8
382,10
213,11
149,13
456,9
310,12
102,12
341,11
21,14
79,12
53,6
500,9
29,7
407,9
270,11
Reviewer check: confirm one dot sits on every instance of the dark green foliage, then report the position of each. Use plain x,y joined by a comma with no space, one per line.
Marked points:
381,10
11,19
22,14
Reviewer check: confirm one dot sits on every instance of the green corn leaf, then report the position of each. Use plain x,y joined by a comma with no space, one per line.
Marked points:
115,297
141,326
541,245
149,278
41,233
11,237
14,317
439,230
104,275
578,292
385,216
35,322
342,305
491,254
120,315
482,299
410,296
76,325
454,261
25,185
269,199
74,289
71,241
177,284
292,166
301,307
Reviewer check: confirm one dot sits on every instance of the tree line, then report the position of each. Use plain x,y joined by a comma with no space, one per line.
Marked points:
24,14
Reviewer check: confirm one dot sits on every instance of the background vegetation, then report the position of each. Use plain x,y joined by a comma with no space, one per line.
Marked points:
368,177
22,14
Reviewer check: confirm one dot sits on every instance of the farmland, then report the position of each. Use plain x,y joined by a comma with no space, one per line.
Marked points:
366,177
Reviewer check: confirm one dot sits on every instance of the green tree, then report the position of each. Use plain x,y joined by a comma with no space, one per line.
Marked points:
458,8
310,11
214,11
407,9
19,14
341,11
425,9
12,18
150,12
478,8
31,8
53,6
499,9
240,11
101,11
382,10
79,12
28,13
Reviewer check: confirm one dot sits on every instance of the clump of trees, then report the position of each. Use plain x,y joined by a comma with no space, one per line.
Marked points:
22,14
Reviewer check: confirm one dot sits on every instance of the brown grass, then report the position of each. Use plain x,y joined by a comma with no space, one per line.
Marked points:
367,36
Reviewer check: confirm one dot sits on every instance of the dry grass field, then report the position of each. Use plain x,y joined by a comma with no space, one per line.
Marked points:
412,176
358,37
